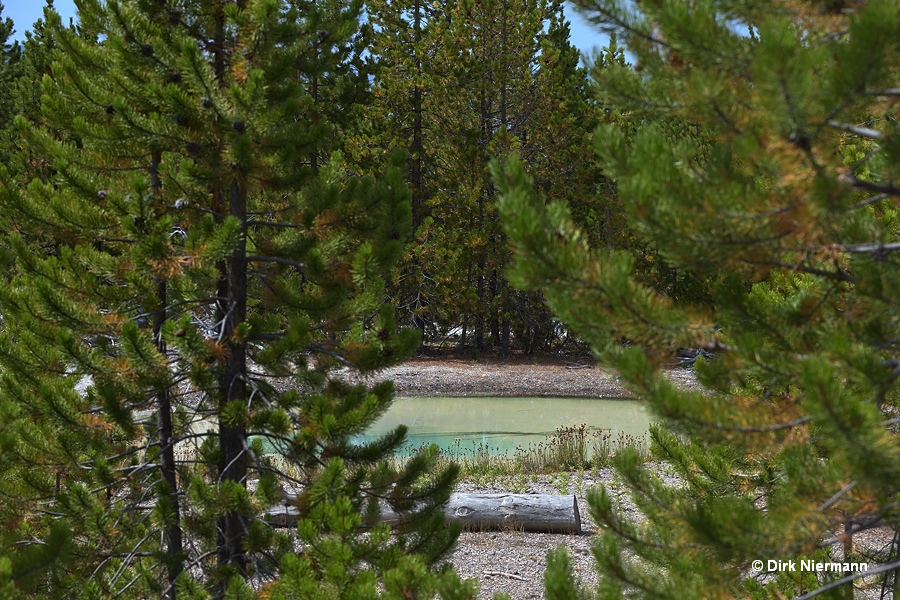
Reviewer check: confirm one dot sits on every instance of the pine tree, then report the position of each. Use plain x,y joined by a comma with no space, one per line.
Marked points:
786,203
556,147
184,286
25,100
461,84
336,72
407,79
10,71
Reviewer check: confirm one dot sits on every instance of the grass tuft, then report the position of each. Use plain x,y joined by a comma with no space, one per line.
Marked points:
576,448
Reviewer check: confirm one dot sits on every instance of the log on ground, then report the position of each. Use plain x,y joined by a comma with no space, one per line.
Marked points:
546,513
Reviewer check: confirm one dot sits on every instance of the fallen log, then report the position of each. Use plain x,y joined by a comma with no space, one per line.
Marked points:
529,512
546,513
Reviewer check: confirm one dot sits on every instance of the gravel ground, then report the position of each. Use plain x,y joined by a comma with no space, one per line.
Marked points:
558,378
513,562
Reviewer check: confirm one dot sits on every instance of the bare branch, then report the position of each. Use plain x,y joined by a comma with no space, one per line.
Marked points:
764,429
830,502
276,259
871,248
812,270
872,134
849,578
276,224
872,200
853,181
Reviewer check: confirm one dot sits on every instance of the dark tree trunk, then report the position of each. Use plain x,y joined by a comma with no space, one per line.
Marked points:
232,309
481,289
417,181
479,314
173,558
314,91
416,177
462,337
465,323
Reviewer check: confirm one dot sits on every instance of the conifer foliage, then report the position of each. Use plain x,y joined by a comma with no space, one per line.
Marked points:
787,203
23,97
10,71
183,285
458,83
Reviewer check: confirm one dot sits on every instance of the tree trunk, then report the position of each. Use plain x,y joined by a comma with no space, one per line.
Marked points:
231,306
232,310
462,336
173,557
174,545
314,92
416,179
479,314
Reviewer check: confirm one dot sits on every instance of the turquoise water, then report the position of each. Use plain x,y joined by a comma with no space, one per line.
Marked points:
505,423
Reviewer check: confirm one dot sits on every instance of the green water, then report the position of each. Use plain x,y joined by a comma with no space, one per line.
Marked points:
505,423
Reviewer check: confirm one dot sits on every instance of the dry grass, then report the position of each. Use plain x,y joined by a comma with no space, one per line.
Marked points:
567,449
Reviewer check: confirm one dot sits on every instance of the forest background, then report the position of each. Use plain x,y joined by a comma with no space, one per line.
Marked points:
451,286
584,37
454,289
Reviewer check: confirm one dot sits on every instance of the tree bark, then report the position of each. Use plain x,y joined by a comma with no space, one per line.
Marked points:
232,311
173,557
231,308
